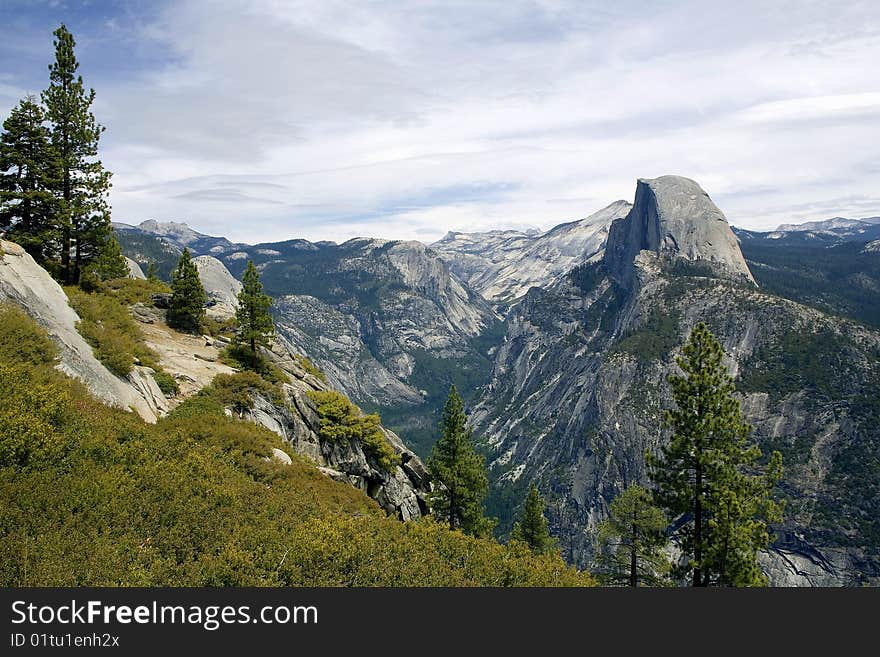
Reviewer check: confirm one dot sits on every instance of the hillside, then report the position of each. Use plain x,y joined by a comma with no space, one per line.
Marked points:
206,496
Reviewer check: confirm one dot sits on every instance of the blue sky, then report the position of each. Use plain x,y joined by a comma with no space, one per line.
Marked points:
273,119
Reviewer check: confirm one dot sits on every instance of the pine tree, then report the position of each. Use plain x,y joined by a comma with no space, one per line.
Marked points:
188,297
532,525
459,472
631,541
707,475
110,263
152,271
255,324
83,184
28,174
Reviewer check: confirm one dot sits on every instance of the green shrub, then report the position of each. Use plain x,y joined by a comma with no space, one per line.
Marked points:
311,368
109,328
129,291
166,383
340,421
115,336
214,327
20,342
242,358
236,391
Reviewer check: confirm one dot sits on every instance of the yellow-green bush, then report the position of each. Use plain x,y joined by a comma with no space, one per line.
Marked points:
19,342
235,391
340,420
241,357
94,496
214,327
311,368
107,325
129,291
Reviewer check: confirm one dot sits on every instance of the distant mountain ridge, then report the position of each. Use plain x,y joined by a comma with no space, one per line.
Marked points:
829,224
503,265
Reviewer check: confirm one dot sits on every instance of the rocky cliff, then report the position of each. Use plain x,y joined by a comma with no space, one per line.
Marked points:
672,217
579,385
26,284
221,287
503,265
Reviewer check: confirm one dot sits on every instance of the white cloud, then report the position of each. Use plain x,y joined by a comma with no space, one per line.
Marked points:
276,119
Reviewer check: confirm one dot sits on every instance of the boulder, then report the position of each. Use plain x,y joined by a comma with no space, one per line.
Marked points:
29,286
221,287
281,456
134,270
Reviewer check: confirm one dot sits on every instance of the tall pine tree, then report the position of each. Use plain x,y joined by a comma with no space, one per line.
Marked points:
460,473
631,541
188,297
83,217
255,325
531,528
109,263
28,174
707,475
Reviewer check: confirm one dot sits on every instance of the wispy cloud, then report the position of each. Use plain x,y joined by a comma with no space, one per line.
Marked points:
277,118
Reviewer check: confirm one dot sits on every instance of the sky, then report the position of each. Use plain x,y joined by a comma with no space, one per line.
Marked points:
265,120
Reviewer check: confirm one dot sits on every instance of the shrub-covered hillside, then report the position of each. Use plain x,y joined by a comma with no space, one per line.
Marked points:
91,495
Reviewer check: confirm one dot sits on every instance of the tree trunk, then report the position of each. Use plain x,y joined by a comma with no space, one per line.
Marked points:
254,346
698,525
67,216
633,562
452,508
65,252
77,261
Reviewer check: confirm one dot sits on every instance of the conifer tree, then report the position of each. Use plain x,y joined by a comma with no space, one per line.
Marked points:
255,325
28,173
109,263
152,271
631,541
83,217
188,297
460,473
531,528
707,475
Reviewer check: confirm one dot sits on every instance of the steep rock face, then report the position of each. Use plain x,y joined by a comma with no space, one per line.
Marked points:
134,270
333,340
402,491
221,287
673,217
579,386
503,265
25,283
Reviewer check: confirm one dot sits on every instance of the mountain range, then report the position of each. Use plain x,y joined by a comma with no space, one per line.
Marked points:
561,343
